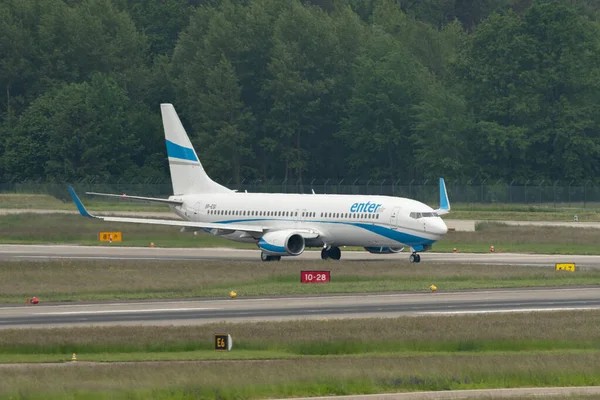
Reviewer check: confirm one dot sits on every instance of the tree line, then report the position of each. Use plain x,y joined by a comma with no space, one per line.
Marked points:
381,89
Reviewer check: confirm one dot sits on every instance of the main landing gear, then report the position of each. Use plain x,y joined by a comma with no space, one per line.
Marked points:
265,257
414,258
333,252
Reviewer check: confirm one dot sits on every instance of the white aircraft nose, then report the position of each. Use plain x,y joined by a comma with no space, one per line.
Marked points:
438,227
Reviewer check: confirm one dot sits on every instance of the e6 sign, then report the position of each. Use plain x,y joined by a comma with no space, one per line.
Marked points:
315,276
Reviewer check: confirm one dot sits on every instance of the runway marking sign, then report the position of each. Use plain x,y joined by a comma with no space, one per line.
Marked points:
223,342
565,267
110,236
315,276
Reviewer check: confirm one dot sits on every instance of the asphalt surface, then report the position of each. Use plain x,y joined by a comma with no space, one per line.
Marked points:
49,252
546,392
299,307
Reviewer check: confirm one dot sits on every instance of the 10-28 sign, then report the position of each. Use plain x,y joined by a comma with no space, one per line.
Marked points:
315,276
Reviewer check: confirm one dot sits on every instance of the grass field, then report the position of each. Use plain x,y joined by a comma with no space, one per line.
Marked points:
302,358
56,228
81,280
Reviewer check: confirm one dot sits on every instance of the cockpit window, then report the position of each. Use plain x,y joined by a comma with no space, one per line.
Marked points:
417,215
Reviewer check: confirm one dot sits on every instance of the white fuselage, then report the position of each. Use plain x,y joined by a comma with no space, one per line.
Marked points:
341,220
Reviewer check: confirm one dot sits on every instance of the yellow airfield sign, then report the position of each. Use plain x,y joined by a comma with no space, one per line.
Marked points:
565,267
110,236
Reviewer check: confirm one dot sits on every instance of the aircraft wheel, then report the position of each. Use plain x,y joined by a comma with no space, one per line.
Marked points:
265,257
418,258
276,258
412,258
335,253
324,254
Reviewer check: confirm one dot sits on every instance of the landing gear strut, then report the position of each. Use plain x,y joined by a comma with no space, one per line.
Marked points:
333,252
265,257
414,258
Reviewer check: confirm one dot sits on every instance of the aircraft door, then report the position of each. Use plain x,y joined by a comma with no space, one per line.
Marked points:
394,217
197,209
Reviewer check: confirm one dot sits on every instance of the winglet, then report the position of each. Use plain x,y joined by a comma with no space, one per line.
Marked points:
79,204
444,202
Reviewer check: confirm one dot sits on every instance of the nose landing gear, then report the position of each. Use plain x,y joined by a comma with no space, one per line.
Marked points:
414,258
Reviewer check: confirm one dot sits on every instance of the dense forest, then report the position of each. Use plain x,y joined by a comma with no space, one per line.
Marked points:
382,89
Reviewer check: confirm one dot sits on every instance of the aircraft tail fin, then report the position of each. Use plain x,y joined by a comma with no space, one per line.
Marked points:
444,202
187,174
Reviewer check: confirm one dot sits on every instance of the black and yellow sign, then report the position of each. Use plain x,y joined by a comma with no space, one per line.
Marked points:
110,236
223,342
565,267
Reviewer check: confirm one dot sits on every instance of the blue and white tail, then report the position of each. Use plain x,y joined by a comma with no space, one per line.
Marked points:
187,174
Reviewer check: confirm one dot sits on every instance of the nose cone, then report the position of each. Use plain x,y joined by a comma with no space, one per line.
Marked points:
438,227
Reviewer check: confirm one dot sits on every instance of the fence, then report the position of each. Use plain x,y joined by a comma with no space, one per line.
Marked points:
575,194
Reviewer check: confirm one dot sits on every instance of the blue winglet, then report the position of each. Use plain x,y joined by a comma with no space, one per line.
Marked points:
444,202
79,204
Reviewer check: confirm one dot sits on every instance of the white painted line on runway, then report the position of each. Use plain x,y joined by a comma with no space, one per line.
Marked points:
124,311
521,310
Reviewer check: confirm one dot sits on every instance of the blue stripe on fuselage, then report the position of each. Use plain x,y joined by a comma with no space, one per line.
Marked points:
176,151
400,237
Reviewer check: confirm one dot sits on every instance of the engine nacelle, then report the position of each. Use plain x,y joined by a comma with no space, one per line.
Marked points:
384,250
282,243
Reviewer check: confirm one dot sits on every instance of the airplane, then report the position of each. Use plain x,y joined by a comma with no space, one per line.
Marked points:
283,224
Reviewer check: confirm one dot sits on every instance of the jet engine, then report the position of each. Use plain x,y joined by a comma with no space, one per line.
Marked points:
384,250
282,243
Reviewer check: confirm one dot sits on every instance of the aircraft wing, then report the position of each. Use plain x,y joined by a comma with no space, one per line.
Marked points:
185,224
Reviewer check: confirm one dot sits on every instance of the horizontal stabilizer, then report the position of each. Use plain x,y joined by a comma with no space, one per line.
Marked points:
148,199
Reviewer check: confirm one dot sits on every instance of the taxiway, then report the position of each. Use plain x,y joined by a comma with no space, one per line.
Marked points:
48,252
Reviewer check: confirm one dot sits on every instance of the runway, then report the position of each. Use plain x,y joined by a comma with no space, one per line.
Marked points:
48,252
299,307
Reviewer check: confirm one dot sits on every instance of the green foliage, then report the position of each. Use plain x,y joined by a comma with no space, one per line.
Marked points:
77,130
384,89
